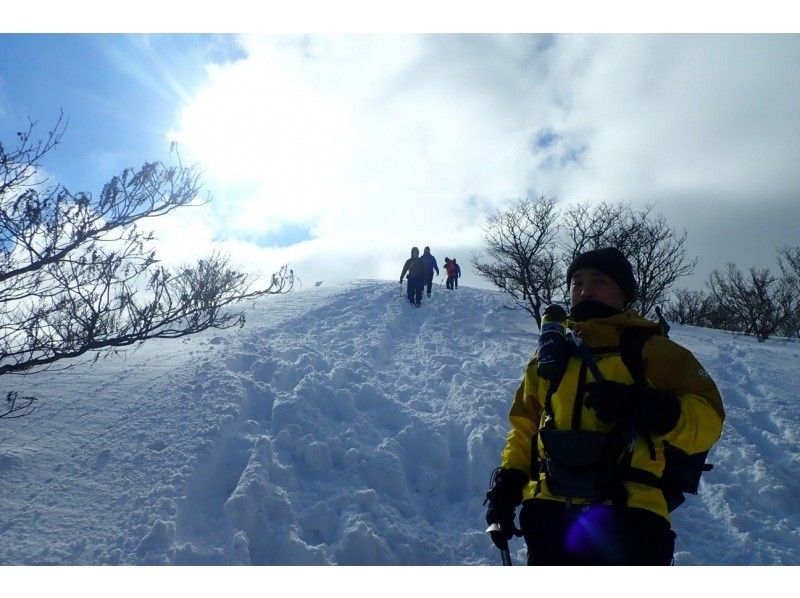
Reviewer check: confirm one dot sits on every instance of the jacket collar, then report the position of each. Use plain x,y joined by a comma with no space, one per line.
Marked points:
601,332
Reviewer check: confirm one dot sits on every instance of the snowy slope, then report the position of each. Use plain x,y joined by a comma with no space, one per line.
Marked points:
343,426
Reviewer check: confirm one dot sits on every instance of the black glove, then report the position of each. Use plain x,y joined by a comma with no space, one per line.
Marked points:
633,406
503,498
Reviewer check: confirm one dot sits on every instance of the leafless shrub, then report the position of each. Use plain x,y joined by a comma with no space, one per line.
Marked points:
76,274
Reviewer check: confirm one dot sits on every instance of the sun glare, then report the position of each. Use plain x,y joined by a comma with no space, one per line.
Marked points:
274,135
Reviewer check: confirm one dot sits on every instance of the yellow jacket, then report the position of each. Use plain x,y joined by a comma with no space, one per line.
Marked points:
668,366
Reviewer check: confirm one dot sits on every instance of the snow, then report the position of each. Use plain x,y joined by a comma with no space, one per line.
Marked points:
343,426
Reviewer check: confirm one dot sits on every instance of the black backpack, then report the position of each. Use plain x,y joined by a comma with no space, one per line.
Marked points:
682,471
417,268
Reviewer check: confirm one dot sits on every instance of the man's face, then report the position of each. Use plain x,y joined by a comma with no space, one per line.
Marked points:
588,283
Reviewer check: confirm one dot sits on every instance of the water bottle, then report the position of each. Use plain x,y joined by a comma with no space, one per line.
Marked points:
552,351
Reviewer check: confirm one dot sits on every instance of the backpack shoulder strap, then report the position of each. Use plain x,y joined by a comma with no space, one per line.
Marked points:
631,345
681,471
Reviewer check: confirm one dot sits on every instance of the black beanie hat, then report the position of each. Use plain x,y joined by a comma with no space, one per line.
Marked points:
611,262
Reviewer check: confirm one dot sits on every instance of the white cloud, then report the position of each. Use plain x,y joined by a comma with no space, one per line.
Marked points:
697,115
184,235
368,139
381,142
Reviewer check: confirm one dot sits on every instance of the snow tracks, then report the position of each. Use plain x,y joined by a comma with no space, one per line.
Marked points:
748,514
365,432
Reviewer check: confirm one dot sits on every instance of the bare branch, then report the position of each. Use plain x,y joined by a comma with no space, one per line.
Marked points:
758,303
657,253
76,273
521,258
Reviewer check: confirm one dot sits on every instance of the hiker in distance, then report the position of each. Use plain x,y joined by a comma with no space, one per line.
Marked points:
430,266
620,424
457,273
415,268
450,268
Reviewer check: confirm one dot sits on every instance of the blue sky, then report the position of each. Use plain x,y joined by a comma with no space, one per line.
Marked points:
120,93
336,153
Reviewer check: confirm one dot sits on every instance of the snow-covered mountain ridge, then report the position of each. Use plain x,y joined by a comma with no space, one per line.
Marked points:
343,426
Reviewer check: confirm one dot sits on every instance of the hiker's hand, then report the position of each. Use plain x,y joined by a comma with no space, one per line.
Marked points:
613,402
660,410
503,498
508,529
629,405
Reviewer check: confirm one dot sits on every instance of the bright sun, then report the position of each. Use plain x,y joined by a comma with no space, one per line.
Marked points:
274,135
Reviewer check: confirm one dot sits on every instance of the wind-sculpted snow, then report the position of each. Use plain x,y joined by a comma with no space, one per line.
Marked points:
344,426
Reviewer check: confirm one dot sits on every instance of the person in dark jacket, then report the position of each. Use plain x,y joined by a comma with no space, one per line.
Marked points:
430,266
612,509
458,273
415,268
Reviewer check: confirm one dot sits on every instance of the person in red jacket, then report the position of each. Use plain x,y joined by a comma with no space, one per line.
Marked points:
450,268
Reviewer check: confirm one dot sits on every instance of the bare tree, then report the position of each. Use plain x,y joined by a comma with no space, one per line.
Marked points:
659,259
592,226
521,256
689,307
789,263
76,273
656,251
698,308
760,302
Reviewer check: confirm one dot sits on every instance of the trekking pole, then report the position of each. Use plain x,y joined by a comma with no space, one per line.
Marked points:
496,533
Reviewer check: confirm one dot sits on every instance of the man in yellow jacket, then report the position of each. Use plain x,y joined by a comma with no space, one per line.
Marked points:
585,454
